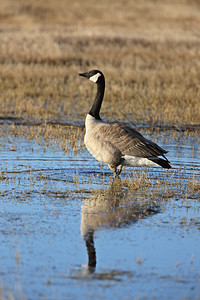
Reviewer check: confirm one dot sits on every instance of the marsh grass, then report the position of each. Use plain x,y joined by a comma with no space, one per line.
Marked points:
63,138
148,50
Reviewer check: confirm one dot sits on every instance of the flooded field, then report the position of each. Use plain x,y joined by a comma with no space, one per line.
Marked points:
68,231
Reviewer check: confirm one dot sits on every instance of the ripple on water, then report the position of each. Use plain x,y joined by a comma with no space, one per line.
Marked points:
69,230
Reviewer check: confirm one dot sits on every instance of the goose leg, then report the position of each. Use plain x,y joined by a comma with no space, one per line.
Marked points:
118,172
115,171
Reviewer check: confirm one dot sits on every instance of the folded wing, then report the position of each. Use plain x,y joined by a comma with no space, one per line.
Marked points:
130,141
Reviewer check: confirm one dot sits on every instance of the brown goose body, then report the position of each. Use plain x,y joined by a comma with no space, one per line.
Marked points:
116,144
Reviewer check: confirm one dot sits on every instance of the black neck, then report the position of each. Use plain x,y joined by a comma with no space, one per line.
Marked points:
95,109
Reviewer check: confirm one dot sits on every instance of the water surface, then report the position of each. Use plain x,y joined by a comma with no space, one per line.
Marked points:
68,231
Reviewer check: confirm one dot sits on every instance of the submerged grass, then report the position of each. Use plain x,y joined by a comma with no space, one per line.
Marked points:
148,50
54,189
65,138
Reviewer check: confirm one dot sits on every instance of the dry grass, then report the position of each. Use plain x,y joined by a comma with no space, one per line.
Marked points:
62,138
149,51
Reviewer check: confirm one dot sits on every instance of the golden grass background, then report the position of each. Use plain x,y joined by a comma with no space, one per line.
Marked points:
149,51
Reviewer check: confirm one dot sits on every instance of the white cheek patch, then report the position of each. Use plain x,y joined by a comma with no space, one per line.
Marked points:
95,77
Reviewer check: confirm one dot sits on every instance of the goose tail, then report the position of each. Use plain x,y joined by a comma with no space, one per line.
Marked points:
161,162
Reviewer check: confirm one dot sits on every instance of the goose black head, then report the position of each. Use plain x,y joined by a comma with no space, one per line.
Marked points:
93,75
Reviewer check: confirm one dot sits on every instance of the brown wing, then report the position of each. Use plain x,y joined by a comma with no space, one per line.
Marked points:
130,141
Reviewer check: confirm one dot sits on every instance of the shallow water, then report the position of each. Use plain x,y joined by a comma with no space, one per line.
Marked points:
68,231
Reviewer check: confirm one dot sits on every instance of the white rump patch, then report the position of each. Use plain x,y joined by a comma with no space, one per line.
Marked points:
137,161
95,77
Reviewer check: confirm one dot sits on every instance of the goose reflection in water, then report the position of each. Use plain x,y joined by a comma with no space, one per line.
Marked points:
114,207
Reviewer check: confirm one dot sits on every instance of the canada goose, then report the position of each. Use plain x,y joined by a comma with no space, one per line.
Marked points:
116,144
